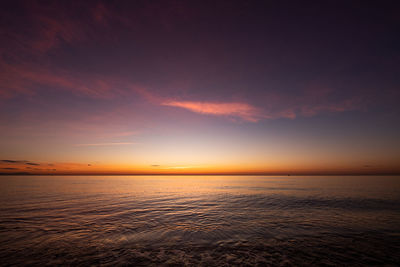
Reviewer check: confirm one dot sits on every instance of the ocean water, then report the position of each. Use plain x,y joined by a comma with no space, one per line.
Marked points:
200,220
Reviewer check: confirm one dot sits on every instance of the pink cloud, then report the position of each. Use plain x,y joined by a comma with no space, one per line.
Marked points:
279,106
242,110
108,144
22,79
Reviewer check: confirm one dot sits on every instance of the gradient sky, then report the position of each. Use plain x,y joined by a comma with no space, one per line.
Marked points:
199,87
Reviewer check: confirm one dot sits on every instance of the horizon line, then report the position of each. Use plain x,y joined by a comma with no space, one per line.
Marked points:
203,174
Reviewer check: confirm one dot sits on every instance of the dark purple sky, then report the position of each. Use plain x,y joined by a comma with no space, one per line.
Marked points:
200,86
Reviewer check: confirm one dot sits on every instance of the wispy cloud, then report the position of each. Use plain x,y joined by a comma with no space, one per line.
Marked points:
13,161
9,161
22,79
235,109
310,103
108,144
33,164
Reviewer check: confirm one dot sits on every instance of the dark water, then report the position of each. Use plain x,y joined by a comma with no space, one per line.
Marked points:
200,220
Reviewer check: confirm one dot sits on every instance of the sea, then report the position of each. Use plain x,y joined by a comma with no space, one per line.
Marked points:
200,220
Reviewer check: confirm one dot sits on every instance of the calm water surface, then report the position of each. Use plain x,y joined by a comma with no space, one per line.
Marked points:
200,220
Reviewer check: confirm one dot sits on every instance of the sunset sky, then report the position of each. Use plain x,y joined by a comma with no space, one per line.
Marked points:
207,87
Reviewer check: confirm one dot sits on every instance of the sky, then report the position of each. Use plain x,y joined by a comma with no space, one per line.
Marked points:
199,87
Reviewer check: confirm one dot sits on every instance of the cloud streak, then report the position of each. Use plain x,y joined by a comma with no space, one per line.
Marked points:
250,113
243,111
9,161
13,161
108,144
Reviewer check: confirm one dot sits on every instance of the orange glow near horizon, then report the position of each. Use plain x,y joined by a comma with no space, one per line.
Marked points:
127,169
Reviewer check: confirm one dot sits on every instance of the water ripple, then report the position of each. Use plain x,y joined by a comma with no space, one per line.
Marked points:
85,221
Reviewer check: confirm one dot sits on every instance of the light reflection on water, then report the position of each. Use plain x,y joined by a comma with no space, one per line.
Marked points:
199,220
